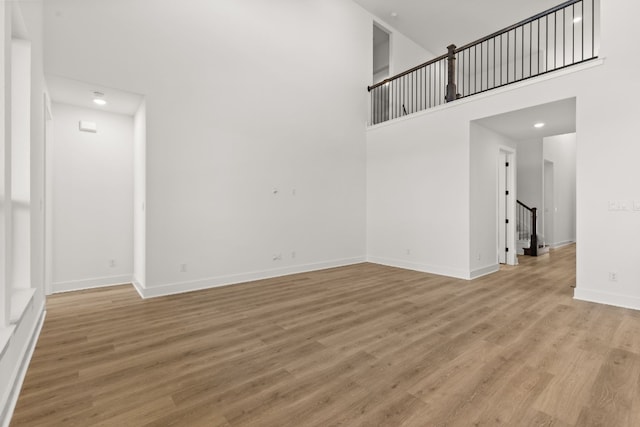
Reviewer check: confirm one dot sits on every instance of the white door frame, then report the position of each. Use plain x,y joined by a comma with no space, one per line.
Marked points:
548,203
506,206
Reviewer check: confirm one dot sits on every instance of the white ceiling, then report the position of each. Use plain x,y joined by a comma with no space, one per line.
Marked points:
80,94
559,118
435,24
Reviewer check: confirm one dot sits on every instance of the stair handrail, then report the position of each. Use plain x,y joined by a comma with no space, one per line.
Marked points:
533,243
519,24
485,64
409,71
523,205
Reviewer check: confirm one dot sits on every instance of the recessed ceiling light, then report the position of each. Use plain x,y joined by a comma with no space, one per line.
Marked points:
577,19
98,98
394,15
539,125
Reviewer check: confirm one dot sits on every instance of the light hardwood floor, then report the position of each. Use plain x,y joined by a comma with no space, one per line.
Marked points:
359,345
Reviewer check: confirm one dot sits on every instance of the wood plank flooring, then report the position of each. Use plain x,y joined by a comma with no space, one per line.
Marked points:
363,345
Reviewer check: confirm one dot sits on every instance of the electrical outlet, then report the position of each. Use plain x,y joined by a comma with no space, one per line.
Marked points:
183,268
613,276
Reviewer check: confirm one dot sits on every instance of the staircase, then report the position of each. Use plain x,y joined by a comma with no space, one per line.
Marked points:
528,240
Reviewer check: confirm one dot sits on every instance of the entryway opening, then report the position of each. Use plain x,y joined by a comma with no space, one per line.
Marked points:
381,70
542,140
95,186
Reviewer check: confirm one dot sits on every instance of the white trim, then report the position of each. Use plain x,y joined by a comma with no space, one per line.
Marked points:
484,271
511,257
139,287
424,268
17,378
20,300
599,297
96,282
5,336
493,92
234,279
561,244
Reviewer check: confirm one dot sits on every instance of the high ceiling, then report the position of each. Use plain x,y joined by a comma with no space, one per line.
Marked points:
435,24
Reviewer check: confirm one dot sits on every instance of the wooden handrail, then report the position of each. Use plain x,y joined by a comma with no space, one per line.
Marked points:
404,73
519,24
524,206
468,45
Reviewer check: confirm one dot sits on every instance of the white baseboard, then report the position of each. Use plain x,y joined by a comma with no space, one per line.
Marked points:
17,377
424,268
139,287
617,300
146,291
561,244
484,271
94,282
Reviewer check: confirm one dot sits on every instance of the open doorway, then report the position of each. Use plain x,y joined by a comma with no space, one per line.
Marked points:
93,165
381,51
544,182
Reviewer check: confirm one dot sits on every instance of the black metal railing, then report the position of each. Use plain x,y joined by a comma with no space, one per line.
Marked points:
560,37
526,226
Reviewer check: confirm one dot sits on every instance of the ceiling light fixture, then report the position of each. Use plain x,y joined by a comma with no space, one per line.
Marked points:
98,98
394,15
577,19
539,125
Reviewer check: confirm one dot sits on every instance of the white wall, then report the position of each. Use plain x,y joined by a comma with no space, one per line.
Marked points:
606,239
530,174
484,147
406,54
418,194
215,130
561,150
139,194
92,199
236,107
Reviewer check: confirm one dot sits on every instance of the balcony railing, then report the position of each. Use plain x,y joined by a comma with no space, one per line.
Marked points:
557,38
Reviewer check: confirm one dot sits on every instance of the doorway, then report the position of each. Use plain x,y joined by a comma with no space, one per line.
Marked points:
381,50
381,71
